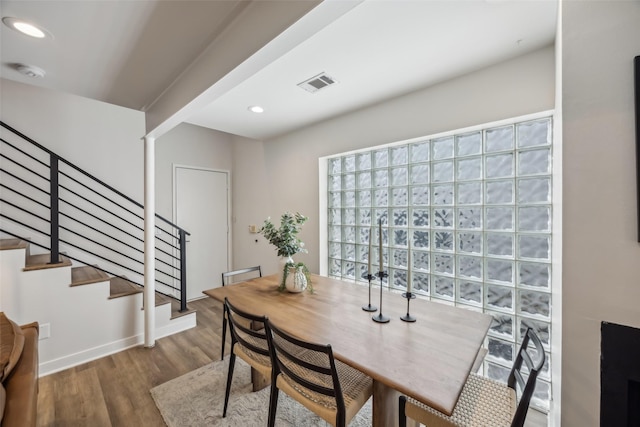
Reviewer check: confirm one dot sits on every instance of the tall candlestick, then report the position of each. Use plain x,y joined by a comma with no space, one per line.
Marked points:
370,248
409,278
380,240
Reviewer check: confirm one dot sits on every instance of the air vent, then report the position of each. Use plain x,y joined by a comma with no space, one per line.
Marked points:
318,82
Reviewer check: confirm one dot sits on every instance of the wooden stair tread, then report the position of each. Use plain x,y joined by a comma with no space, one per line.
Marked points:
7,244
175,310
87,274
161,299
41,261
120,287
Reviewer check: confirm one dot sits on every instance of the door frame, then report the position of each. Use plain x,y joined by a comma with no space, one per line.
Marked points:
174,197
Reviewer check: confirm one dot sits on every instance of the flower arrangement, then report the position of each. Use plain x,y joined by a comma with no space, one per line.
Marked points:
287,243
285,238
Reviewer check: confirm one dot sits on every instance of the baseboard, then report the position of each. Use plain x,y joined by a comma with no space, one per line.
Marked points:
177,325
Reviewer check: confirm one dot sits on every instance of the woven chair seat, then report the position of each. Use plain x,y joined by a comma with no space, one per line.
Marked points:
309,374
353,382
483,403
259,361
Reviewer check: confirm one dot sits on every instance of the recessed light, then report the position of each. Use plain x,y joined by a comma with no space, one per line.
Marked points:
256,109
25,27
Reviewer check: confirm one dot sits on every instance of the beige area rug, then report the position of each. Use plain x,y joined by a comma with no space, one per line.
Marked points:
197,398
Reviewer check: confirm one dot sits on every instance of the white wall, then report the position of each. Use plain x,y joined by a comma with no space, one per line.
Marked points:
601,269
289,174
251,205
103,139
191,146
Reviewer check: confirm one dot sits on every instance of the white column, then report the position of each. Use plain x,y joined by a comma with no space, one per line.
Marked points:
149,243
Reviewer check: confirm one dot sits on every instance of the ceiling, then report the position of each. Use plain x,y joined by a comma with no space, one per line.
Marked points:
128,52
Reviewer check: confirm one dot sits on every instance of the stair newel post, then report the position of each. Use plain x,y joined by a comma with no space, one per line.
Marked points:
183,270
55,220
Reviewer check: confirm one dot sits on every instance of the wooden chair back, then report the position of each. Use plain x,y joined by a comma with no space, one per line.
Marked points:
517,379
229,274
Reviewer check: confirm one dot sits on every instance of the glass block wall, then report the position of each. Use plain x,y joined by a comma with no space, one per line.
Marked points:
475,209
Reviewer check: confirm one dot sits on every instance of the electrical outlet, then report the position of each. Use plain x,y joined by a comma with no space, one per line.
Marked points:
45,331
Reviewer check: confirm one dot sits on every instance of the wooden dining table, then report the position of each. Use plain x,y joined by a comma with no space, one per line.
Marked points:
428,360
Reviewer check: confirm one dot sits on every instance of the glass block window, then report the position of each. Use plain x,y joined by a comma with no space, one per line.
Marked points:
474,209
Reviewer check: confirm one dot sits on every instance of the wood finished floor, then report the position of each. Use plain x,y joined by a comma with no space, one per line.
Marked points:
114,390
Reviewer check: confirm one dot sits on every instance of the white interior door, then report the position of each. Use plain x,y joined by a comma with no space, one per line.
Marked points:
202,208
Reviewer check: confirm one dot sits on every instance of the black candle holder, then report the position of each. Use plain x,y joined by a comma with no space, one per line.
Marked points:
381,318
369,307
408,317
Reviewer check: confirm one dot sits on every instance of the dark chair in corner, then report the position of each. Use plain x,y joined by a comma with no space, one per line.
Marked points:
486,402
248,342
309,374
225,281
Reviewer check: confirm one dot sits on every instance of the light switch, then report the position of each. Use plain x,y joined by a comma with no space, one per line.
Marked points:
253,228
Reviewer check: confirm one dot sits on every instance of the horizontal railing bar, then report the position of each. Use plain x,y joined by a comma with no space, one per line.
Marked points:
160,217
112,201
108,260
24,152
83,223
102,195
65,161
113,238
84,262
25,196
31,242
83,249
100,244
113,226
101,232
24,210
25,137
113,250
104,221
24,225
23,167
35,187
140,205
168,265
98,206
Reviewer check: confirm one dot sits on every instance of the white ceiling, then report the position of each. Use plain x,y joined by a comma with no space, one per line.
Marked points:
127,52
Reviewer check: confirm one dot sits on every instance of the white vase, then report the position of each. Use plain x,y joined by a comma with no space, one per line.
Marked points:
282,263
296,280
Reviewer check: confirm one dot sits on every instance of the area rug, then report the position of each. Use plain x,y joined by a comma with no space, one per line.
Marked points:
196,399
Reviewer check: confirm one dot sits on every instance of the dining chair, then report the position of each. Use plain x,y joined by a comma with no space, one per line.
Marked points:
486,402
248,342
309,374
225,281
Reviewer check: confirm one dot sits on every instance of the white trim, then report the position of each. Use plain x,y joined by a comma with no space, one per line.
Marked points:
554,417
323,216
177,325
468,129
174,203
149,242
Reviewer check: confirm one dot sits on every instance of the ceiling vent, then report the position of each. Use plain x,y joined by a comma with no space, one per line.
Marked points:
318,82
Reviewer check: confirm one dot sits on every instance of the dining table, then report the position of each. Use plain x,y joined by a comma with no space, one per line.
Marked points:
428,360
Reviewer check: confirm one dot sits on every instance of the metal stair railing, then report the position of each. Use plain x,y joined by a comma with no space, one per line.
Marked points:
61,206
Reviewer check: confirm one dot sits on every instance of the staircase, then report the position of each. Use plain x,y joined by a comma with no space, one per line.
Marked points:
72,257
83,312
